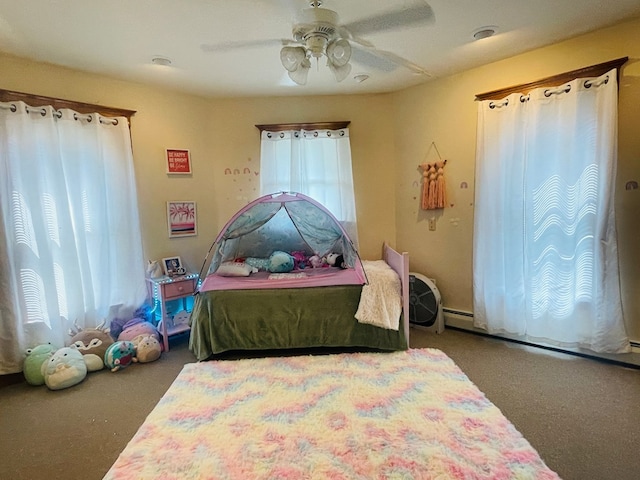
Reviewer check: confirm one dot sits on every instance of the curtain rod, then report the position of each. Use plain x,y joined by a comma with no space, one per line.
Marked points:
58,114
280,127
556,80
59,103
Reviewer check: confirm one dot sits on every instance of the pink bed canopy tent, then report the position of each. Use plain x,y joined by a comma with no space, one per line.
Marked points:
285,221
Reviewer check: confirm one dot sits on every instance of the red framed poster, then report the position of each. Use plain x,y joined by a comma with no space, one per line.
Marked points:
178,161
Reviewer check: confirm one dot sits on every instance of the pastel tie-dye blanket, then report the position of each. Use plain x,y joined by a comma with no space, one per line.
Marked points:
403,415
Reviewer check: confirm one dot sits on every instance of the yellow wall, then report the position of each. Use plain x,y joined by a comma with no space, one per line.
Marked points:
221,136
444,111
390,136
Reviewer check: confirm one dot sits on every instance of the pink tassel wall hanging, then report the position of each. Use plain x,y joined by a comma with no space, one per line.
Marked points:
434,192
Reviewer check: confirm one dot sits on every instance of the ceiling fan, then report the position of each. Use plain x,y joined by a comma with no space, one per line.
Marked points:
317,32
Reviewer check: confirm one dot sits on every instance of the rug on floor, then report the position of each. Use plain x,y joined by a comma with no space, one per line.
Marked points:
403,415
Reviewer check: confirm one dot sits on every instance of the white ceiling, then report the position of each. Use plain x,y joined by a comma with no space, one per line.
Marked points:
118,38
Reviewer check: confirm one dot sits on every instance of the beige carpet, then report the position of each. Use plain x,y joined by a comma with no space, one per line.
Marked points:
580,415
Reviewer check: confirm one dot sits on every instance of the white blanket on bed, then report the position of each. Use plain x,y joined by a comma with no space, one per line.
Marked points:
381,299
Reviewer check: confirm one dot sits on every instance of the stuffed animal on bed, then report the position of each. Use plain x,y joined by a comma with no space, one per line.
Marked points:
336,260
299,259
278,262
316,261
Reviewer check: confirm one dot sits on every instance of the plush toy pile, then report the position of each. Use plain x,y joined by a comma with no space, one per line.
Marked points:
90,350
280,262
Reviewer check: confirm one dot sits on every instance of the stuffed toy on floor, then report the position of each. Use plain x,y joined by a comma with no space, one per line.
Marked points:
32,367
148,348
64,369
119,355
91,342
137,327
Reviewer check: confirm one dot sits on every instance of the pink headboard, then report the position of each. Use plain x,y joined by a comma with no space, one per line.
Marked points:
399,262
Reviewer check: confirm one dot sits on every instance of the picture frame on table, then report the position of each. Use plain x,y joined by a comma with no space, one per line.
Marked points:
173,266
182,219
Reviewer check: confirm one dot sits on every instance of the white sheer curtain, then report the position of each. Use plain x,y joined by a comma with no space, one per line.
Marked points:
545,249
316,163
70,248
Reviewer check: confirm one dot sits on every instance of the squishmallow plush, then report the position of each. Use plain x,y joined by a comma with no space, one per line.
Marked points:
280,262
32,367
64,369
93,362
148,349
91,341
119,355
136,327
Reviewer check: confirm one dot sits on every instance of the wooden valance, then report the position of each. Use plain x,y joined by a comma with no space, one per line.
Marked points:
58,103
556,80
281,127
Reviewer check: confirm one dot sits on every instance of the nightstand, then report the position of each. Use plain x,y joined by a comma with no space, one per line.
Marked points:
165,289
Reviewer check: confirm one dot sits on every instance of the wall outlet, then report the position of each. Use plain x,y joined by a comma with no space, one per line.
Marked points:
432,224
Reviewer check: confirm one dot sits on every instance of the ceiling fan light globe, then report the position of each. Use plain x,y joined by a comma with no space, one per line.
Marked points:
292,57
300,75
339,52
340,72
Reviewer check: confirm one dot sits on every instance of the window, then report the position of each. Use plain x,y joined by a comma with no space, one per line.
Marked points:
70,245
313,159
545,250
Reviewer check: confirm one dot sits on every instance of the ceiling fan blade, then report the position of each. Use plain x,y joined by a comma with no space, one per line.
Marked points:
383,60
228,46
403,62
418,13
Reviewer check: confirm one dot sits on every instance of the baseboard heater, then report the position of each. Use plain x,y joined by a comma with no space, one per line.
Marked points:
463,320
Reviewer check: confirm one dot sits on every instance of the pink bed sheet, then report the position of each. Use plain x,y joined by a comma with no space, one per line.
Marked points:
313,277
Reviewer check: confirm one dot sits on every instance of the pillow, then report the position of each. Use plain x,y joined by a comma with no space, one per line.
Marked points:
235,269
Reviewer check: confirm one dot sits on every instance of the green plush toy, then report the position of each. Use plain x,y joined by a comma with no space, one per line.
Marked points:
32,366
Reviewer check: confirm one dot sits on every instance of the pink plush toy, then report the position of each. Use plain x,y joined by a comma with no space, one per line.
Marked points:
137,327
299,259
316,262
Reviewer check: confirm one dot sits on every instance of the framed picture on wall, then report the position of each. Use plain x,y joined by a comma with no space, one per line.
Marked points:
178,161
181,219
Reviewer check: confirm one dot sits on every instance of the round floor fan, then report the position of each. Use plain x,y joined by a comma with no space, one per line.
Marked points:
425,303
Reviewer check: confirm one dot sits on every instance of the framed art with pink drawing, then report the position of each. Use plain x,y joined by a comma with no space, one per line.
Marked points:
181,219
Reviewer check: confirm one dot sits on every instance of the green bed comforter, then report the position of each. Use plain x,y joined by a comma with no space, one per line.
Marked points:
282,319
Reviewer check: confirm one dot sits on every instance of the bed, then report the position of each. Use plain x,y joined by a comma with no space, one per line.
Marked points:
237,317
